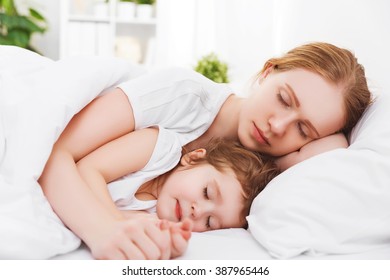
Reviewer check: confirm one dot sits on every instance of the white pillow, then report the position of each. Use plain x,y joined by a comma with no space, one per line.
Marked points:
334,203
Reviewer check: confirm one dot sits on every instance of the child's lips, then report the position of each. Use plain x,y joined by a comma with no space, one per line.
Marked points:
178,211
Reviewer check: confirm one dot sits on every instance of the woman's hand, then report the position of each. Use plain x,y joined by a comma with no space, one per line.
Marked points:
180,233
136,239
311,149
142,236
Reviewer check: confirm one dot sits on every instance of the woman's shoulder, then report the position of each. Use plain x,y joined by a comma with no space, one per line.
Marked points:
172,83
179,73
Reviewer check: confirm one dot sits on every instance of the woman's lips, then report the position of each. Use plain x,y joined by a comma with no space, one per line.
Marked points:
259,136
178,211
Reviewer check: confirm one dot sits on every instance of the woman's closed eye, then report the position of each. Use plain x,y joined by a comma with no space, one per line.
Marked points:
284,100
302,130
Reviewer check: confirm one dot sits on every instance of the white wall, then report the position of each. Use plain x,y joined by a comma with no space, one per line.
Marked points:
362,26
239,31
245,33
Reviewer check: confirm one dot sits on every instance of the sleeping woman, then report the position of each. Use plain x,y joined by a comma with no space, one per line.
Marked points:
301,104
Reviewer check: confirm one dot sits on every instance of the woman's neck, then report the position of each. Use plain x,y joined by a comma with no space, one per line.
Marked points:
225,124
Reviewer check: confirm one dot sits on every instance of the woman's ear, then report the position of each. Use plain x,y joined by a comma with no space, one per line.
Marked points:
189,157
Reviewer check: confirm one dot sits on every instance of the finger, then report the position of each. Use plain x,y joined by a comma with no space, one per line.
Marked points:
186,228
166,249
147,245
185,234
161,237
131,251
164,224
187,224
179,243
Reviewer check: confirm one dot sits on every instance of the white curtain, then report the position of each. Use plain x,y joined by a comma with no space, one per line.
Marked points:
186,29
238,31
174,32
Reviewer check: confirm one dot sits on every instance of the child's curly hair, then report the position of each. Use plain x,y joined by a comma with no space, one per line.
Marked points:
252,170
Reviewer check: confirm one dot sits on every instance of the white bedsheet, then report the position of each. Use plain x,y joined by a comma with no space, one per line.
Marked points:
236,244
38,97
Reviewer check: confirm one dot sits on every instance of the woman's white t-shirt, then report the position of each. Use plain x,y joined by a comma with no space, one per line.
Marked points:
182,104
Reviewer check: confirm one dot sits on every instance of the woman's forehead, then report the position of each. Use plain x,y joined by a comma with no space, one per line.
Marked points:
321,102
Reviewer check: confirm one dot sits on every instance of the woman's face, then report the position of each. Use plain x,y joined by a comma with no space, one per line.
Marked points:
286,110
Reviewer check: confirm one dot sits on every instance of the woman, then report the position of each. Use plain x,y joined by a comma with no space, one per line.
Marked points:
312,92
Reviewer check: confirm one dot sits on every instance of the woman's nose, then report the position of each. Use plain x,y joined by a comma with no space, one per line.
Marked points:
280,123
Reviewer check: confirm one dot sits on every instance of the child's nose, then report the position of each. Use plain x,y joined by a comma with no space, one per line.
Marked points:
200,209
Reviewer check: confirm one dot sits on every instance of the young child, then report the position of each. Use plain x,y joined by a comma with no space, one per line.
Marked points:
211,188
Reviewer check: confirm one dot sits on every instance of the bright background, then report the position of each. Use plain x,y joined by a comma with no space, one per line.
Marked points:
244,33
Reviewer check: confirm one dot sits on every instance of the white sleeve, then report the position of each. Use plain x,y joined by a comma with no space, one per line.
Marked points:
177,99
166,155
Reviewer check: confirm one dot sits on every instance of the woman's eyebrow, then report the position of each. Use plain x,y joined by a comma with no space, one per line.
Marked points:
291,91
297,103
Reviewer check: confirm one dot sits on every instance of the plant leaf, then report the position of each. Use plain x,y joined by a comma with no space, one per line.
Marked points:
35,14
9,7
5,40
19,37
19,22
211,67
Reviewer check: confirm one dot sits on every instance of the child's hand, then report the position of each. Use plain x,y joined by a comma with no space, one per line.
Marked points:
180,235
136,239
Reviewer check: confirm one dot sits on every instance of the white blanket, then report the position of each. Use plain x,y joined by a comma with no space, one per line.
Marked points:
38,97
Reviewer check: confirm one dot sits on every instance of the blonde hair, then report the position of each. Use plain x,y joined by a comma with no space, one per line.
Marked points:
252,170
336,65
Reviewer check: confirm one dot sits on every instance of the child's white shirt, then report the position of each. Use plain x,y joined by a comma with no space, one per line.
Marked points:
165,156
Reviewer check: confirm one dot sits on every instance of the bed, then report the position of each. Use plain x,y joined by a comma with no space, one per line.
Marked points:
302,214
237,244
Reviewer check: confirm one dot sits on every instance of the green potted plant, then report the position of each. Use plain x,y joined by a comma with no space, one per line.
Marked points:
211,67
145,2
17,29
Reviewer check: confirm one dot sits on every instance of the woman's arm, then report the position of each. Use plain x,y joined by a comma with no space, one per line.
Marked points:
313,148
92,127
104,120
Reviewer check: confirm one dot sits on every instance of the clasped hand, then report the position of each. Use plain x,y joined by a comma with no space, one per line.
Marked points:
141,238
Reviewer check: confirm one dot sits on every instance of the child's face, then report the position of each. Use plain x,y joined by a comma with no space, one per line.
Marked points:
210,198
